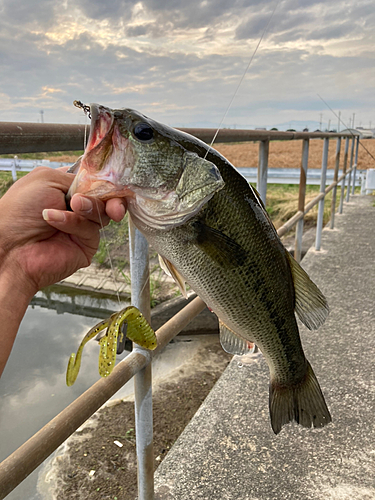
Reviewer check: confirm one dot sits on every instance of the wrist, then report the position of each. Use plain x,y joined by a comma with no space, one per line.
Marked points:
13,281
15,296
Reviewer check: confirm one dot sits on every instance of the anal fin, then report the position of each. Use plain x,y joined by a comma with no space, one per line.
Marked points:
232,343
171,271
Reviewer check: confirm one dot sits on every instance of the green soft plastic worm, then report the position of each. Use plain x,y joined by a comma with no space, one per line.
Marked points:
138,331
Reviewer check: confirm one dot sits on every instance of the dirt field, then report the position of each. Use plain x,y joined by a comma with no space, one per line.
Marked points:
282,154
287,154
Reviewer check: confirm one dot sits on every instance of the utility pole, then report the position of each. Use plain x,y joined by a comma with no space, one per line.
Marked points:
329,125
320,123
353,120
41,116
338,125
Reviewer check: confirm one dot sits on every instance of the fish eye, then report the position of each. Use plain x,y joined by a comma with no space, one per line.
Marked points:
143,132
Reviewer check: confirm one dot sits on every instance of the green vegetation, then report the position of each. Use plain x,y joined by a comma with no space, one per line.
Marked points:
6,180
282,203
112,245
44,156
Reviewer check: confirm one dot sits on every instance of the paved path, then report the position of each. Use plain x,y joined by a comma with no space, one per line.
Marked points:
229,451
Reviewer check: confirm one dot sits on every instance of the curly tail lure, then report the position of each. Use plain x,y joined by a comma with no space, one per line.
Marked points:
138,331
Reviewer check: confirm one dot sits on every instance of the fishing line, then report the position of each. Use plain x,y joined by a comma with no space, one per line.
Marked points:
86,110
117,286
241,79
337,116
85,133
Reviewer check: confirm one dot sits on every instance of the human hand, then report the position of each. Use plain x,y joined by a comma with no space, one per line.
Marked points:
40,241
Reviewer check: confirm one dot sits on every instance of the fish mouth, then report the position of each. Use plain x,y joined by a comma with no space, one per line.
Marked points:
107,159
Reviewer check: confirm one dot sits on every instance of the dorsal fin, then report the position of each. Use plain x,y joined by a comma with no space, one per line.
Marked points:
310,304
171,271
232,343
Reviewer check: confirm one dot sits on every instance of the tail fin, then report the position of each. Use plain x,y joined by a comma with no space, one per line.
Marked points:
303,402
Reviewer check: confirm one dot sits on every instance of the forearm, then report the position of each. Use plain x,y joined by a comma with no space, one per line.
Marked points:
15,296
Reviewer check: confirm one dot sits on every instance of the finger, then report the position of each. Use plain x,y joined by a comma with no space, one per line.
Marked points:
72,223
90,208
116,208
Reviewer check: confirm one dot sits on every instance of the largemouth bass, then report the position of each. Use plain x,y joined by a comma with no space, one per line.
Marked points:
212,231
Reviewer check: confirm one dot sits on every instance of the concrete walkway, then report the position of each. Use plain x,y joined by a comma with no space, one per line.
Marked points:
229,451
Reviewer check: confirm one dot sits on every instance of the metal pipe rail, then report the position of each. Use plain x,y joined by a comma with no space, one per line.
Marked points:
18,138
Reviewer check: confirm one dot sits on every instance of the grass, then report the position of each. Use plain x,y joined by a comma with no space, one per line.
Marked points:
6,180
282,203
44,156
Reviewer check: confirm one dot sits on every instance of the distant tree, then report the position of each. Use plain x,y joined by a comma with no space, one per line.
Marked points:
274,128
305,129
290,130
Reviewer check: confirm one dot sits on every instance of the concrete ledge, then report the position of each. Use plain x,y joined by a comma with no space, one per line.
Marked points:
228,451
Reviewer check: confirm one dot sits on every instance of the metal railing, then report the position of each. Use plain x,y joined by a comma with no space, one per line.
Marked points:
17,138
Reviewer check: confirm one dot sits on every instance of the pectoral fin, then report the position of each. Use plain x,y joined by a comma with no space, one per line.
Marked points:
171,271
232,343
310,304
218,246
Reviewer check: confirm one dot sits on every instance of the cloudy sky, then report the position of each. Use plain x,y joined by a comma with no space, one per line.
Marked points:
180,61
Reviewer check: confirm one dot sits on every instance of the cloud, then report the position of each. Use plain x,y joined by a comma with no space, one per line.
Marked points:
181,62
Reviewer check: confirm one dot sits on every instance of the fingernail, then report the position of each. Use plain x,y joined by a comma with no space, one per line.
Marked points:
53,215
86,204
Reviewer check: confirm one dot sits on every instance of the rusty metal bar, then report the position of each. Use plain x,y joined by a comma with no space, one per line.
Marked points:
341,206
40,137
335,177
15,468
262,170
301,199
238,135
285,228
19,137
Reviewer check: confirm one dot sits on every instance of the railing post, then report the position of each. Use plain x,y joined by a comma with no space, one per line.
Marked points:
355,163
350,173
319,224
140,292
262,170
13,167
301,199
335,177
344,172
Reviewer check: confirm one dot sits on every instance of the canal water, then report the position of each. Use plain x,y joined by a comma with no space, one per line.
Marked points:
33,388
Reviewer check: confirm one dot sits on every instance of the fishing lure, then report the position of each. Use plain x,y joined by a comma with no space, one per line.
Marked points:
138,331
